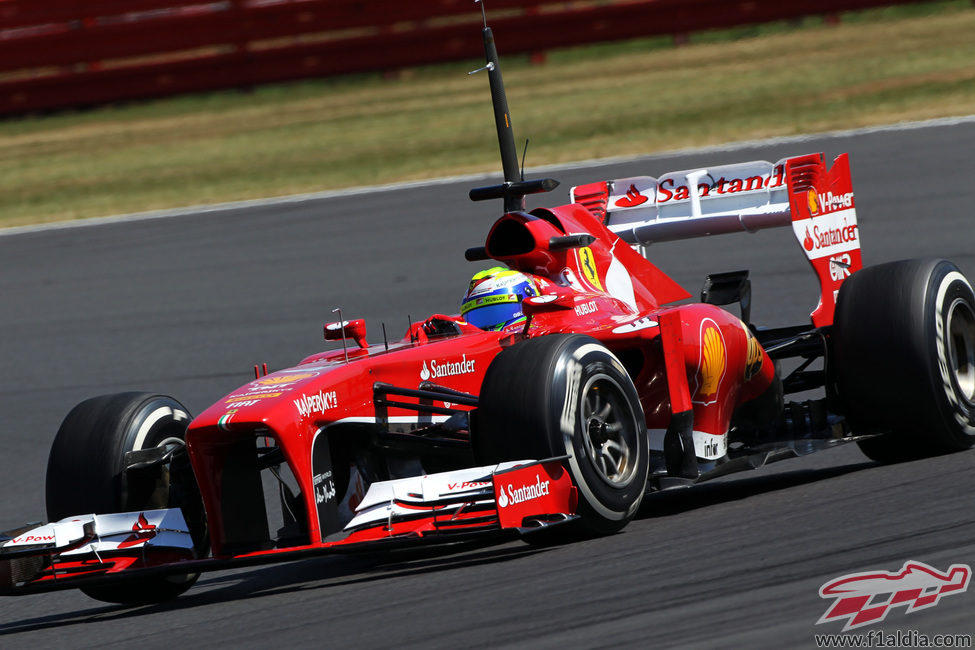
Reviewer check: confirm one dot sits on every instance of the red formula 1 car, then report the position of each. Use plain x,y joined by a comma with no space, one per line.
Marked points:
607,384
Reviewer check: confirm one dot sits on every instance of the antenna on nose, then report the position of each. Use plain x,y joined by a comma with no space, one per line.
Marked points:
483,12
515,188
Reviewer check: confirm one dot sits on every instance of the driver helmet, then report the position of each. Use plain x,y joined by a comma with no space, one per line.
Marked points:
493,299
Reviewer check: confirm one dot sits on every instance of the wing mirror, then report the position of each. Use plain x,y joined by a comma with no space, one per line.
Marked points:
347,329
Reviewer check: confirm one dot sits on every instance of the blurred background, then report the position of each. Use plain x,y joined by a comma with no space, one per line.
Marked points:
121,106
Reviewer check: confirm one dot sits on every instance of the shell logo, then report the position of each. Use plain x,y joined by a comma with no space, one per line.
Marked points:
753,358
712,363
812,199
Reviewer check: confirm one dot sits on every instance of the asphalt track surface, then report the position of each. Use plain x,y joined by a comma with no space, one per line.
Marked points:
186,306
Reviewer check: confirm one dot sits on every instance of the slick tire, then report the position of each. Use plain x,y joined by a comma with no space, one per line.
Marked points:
566,394
86,475
903,359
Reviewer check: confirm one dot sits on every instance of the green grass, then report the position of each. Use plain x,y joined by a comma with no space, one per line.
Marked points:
879,66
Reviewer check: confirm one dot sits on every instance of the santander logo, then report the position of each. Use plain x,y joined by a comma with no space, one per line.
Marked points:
808,242
831,233
142,531
436,370
632,199
827,236
512,495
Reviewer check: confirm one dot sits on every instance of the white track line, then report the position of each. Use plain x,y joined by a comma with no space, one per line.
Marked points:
391,187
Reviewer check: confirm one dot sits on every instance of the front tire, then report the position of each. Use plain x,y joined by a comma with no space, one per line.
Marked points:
904,358
566,394
86,474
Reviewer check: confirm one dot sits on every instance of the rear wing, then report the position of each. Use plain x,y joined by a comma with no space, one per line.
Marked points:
801,191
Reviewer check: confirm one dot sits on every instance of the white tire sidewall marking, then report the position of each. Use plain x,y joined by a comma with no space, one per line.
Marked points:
567,425
148,423
943,361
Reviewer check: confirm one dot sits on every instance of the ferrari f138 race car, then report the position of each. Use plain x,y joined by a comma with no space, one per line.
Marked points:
578,378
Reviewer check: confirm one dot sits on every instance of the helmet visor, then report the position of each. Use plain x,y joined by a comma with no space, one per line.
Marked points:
489,317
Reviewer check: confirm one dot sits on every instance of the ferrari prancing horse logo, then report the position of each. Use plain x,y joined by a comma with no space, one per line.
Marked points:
587,263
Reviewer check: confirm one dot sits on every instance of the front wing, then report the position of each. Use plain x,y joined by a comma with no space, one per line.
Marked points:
503,501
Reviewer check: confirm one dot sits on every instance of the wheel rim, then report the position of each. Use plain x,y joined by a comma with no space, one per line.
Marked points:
961,348
609,433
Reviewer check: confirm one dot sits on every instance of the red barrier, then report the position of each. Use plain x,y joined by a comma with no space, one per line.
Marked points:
64,53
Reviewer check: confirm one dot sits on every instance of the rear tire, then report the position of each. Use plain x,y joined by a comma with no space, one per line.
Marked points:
567,394
86,475
904,358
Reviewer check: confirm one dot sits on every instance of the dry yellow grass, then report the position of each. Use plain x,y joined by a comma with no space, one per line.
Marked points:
314,136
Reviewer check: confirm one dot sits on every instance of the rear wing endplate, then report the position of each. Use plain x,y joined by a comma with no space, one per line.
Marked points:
801,191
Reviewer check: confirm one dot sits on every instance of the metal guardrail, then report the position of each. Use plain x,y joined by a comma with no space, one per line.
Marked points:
57,54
